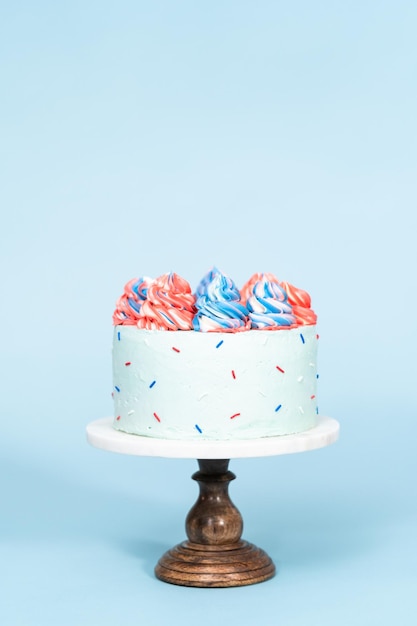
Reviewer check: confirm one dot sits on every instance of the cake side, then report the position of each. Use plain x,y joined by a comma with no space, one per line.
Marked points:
215,385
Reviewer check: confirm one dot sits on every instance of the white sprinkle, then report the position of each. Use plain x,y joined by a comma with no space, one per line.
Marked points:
130,412
312,364
300,408
300,379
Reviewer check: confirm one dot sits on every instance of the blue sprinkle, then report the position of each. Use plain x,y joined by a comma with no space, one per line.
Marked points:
118,335
152,384
198,428
117,388
317,410
317,376
278,407
219,344
302,338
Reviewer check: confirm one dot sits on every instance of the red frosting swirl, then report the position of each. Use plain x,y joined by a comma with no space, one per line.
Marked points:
169,305
301,304
129,304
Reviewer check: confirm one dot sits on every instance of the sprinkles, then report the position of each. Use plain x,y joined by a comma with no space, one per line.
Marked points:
233,374
117,389
233,416
118,335
280,369
128,363
152,384
198,428
219,344
157,417
278,407
118,417
176,349
302,338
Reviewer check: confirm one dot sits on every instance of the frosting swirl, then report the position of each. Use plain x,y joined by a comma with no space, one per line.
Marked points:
301,304
129,304
247,288
296,295
201,288
220,309
169,304
268,306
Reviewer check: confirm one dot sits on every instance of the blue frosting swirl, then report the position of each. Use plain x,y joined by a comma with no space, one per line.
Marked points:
219,308
201,288
268,306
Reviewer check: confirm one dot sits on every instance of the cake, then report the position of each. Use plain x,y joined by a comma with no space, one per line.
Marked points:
217,364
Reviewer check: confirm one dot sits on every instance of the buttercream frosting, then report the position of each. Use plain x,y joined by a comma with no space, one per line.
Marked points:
186,385
219,373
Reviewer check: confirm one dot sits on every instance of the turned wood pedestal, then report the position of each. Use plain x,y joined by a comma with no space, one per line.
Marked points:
214,555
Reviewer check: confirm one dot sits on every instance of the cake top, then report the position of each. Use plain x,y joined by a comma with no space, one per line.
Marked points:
217,305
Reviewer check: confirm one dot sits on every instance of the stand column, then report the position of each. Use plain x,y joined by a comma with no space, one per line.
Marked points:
214,555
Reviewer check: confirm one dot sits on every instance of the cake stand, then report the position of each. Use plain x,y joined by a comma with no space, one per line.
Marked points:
214,555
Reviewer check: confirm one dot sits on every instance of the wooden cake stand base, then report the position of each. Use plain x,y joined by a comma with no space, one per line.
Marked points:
214,555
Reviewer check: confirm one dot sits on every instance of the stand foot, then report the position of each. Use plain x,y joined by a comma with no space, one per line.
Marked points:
215,555
193,565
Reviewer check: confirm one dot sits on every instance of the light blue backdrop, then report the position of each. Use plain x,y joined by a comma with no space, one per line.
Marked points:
143,137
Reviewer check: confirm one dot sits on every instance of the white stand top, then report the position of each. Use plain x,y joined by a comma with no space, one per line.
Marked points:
101,434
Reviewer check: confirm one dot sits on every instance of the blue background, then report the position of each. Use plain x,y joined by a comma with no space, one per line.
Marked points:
139,138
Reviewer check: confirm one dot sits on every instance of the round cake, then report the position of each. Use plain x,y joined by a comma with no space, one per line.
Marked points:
217,364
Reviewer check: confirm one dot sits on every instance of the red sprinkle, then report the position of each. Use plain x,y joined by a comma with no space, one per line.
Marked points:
118,417
280,369
175,349
156,417
312,397
235,415
233,374
317,336
128,363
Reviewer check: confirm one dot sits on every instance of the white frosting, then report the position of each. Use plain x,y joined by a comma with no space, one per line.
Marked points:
195,385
